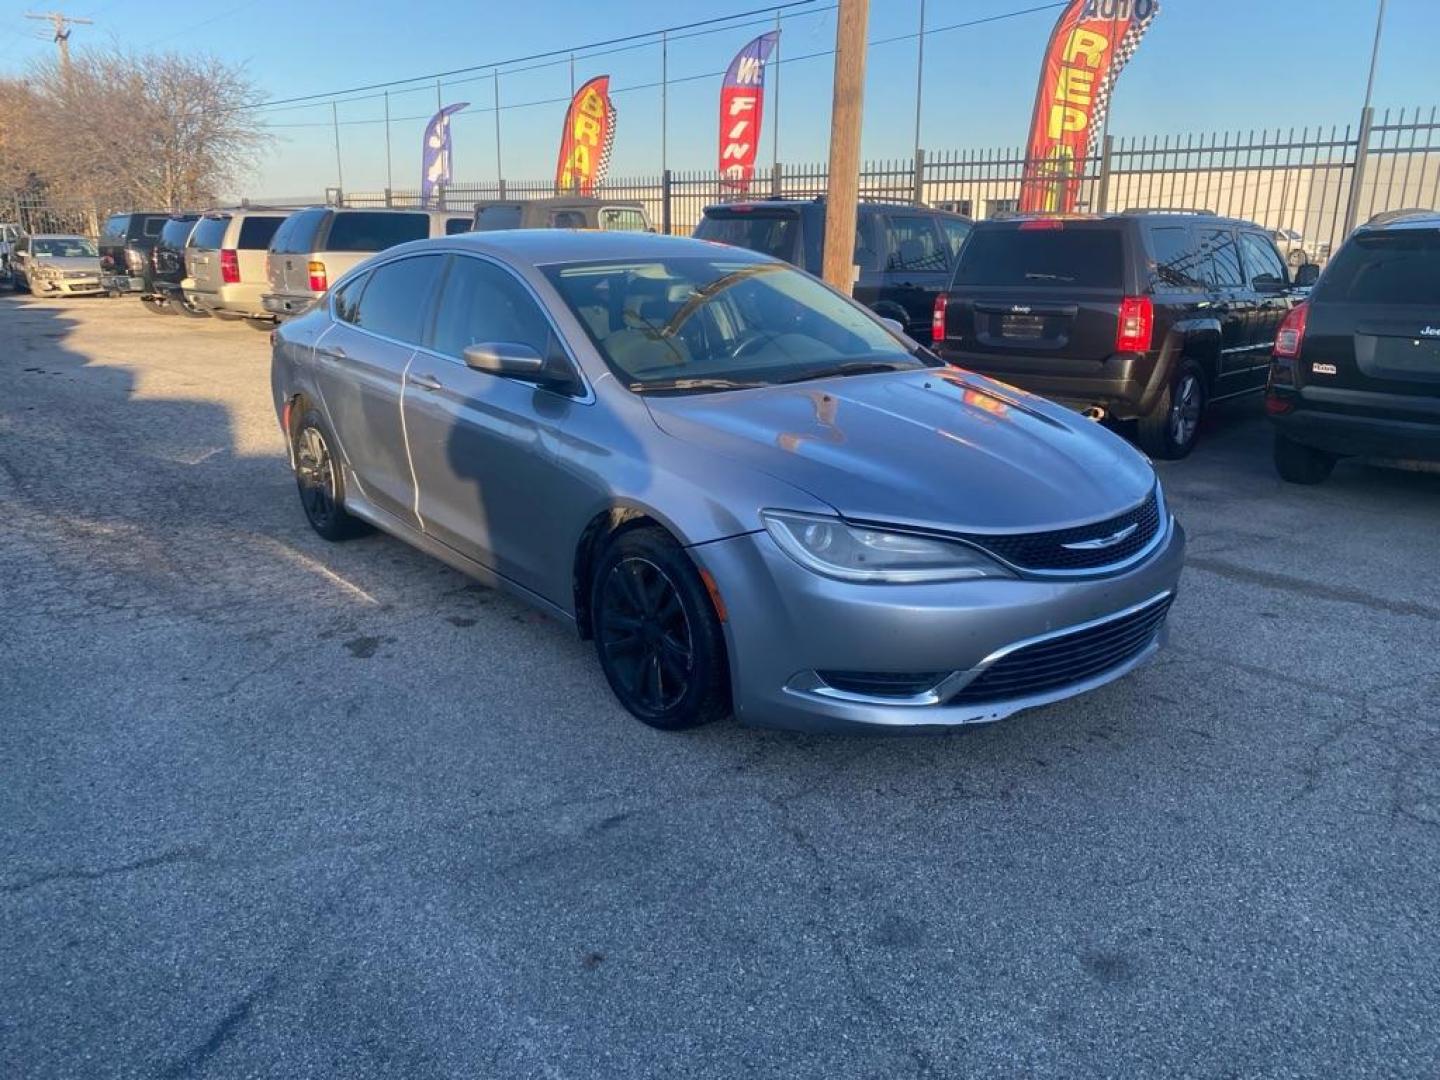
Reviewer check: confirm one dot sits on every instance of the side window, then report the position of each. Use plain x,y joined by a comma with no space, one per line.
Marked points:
1223,258
955,233
481,302
154,226
1262,261
347,298
622,219
456,225
912,243
398,297
1178,262
568,219
866,257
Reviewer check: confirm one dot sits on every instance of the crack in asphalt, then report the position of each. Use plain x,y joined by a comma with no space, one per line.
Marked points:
1312,590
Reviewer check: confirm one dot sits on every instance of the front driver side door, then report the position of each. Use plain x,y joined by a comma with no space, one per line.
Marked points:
482,445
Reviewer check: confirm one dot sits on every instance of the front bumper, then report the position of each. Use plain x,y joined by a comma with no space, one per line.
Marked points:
86,286
786,626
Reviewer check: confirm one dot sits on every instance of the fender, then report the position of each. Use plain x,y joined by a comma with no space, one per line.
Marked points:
1196,338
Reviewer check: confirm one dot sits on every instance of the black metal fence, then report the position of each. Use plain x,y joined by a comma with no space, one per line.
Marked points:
1311,185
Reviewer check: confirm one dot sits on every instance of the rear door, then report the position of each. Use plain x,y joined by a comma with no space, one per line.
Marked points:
1269,282
360,365
1374,318
916,265
1030,295
1233,305
202,252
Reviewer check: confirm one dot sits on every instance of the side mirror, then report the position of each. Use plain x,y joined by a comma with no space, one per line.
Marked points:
513,359
893,325
1306,275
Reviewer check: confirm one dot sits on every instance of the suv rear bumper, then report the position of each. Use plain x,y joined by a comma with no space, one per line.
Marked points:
1390,425
1124,384
286,304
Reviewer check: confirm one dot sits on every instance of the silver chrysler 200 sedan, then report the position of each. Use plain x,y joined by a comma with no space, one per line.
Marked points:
752,493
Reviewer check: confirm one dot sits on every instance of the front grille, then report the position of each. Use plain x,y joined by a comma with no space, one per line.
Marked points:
1046,550
882,683
1069,658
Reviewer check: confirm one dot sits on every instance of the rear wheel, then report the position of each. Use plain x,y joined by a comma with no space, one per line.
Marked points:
1169,431
182,305
321,481
657,634
1300,464
156,305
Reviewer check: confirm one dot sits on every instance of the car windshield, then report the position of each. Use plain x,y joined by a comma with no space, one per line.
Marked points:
698,324
64,247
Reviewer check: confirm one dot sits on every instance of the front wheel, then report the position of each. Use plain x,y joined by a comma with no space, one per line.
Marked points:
321,481
1300,464
657,634
1169,431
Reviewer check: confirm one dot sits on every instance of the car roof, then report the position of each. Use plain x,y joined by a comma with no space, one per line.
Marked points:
819,200
1396,220
539,247
1169,217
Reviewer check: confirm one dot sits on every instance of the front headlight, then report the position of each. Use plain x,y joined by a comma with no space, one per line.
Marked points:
836,549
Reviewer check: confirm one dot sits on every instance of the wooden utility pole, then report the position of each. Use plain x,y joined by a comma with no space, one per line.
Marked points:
62,23
845,115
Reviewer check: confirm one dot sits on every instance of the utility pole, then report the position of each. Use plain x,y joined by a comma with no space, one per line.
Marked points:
919,78
61,23
1362,140
845,116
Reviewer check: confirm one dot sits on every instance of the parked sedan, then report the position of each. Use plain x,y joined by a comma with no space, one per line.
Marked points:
56,265
747,489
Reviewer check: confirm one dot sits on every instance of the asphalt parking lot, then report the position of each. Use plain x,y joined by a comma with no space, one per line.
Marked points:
271,807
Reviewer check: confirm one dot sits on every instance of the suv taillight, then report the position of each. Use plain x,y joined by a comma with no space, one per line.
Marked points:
1292,333
937,318
230,266
1136,325
318,281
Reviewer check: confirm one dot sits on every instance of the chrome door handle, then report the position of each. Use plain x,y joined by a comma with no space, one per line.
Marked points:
334,352
425,382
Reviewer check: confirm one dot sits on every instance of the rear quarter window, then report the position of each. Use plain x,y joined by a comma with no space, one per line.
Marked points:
209,233
375,231
1399,267
176,231
115,229
153,226
1042,258
297,235
1178,261
257,231
456,225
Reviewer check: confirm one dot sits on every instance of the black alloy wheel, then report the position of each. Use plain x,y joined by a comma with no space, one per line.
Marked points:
657,634
318,476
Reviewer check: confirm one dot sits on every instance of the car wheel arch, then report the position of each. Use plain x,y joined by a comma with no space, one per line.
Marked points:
599,531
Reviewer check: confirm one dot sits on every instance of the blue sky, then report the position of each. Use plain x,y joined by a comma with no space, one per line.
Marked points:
1206,65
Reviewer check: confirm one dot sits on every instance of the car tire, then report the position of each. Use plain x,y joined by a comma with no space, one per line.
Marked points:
1300,464
657,634
156,305
321,480
188,309
1172,426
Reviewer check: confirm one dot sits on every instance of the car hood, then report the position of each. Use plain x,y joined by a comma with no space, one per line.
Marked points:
61,263
936,448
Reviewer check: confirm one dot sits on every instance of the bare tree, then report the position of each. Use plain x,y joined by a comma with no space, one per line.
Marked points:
160,131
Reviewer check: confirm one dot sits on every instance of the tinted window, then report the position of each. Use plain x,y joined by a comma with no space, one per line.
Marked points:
456,225
176,231
115,229
297,235
955,233
865,257
209,233
1400,267
481,302
398,296
1262,261
375,231
347,298
497,217
257,232
772,234
567,219
1222,258
1040,257
623,219
912,243
153,226
1178,262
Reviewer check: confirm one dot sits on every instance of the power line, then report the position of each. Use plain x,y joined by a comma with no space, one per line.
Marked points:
494,65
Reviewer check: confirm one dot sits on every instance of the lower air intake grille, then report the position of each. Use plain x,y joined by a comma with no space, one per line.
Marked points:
1069,658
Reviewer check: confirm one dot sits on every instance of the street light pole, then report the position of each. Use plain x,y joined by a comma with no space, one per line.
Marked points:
842,189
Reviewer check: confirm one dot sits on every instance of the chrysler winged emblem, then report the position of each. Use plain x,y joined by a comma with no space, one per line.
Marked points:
1101,541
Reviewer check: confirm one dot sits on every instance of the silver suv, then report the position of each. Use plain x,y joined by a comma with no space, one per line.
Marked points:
225,261
317,245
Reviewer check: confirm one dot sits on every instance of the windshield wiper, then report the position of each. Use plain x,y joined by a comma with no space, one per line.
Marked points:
694,383
855,367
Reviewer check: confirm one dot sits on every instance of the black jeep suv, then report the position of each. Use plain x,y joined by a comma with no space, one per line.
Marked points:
165,268
903,253
1144,316
125,244
1356,369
